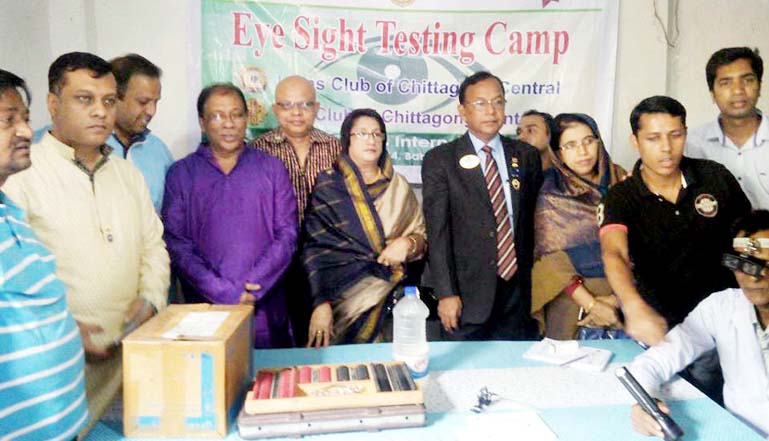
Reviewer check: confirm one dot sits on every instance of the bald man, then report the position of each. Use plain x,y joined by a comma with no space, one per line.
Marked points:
306,151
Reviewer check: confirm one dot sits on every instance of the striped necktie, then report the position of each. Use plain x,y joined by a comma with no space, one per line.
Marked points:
507,262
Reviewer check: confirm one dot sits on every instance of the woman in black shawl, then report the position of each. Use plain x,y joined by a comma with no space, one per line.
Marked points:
363,225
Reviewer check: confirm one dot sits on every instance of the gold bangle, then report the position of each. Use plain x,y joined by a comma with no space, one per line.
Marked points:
590,306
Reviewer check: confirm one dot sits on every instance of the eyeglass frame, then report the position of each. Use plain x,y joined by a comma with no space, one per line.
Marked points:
586,143
218,118
496,103
364,136
301,105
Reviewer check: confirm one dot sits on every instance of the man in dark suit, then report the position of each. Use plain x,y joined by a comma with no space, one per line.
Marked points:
479,196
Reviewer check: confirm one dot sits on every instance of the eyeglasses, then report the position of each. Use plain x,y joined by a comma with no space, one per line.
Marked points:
365,135
220,118
751,266
301,105
586,142
496,103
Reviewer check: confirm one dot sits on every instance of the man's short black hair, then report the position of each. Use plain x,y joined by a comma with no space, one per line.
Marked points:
752,223
71,62
219,88
728,56
129,65
548,118
11,81
656,104
475,79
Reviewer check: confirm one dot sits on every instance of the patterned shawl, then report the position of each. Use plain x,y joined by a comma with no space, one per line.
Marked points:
345,233
565,218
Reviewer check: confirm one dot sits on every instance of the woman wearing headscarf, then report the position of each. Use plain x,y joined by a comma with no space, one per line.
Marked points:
568,280
363,226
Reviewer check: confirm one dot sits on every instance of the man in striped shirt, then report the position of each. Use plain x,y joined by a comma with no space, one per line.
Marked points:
42,386
306,151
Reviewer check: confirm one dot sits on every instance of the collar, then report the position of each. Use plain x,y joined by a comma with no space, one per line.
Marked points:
715,133
278,136
205,151
687,176
137,138
68,152
495,143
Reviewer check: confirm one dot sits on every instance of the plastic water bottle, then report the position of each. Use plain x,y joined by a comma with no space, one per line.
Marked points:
409,332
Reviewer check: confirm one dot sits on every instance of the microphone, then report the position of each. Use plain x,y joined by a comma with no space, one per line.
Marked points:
670,429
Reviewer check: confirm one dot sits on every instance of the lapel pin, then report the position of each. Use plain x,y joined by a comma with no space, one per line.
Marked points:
469,161
515,183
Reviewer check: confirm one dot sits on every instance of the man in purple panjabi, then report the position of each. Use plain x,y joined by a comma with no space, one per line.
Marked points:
230,219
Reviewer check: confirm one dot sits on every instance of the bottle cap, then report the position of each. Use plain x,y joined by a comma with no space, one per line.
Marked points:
410,291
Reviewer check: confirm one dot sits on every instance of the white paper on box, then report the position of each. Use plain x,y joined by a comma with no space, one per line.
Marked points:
197,325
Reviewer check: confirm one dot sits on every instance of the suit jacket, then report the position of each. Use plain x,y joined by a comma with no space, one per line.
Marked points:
461,229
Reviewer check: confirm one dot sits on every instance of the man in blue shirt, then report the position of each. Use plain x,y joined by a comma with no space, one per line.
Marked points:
138,90
42,386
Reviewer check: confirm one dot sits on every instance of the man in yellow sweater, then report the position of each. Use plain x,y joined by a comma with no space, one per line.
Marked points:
94,212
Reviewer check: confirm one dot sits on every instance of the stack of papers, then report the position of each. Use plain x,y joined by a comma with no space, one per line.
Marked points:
569,353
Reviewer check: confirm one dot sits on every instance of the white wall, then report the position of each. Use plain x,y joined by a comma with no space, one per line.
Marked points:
34,32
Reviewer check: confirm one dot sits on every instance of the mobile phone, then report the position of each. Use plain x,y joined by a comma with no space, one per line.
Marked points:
670,429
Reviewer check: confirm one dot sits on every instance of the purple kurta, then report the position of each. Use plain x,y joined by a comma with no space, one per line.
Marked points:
223,231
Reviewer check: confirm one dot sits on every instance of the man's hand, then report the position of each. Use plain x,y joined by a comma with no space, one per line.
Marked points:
247,297
644,423
321,326
396,252
449,311
91,350
139,312
644,324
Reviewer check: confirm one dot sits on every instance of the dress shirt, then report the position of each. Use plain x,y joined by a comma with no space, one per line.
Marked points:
498,154
723,321
748,163
324,149
151,156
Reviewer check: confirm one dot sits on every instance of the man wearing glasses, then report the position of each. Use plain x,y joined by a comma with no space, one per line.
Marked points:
230,218
306,151
480,191
733,321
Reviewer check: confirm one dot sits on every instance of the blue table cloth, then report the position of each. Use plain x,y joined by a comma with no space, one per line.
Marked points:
575,405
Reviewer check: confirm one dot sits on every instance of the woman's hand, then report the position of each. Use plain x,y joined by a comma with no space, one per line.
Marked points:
604,313
321,326
396,252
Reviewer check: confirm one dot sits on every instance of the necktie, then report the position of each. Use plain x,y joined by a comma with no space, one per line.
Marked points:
507,263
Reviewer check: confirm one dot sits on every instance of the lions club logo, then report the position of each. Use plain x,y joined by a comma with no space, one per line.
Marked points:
706,205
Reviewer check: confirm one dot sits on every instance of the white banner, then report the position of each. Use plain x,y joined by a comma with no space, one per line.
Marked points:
406,58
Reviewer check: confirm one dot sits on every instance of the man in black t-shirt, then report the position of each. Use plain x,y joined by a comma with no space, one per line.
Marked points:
664,229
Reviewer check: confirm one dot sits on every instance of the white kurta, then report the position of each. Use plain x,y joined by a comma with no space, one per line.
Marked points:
105,234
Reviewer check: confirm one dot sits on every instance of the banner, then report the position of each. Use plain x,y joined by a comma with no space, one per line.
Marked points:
406,59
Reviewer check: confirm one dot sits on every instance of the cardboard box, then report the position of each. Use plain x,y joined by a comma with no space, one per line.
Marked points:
192,385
